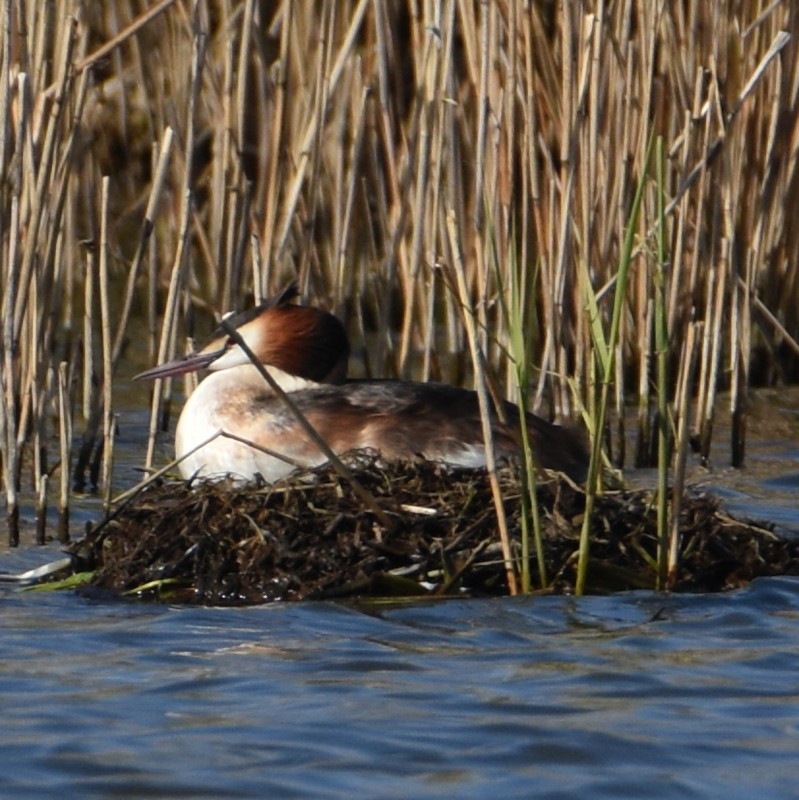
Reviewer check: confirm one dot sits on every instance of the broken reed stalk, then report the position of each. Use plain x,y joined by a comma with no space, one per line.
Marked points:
84,463
740,303
65,449
87,361
643,439
104,50
166,469
41,509
153,476
107,349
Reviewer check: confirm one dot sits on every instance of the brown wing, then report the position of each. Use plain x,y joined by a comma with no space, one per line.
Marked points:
405,420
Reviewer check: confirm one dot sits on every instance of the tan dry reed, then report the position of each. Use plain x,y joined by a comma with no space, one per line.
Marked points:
248,143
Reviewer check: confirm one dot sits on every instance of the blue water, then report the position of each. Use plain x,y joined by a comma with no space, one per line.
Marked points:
631,696
635,695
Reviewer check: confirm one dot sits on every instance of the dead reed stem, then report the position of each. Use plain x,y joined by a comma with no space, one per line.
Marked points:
482,394
334,151
681,450
107,347
148,224
65,442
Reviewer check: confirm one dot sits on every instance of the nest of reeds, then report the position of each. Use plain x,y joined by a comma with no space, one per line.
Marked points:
311,537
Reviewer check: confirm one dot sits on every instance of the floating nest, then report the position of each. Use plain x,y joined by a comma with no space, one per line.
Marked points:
312,537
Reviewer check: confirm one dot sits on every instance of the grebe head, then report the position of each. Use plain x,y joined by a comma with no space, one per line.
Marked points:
302,341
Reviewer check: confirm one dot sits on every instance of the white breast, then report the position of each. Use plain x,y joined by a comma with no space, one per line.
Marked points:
222,404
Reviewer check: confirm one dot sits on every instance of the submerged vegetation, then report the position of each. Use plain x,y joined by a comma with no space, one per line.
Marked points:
576,203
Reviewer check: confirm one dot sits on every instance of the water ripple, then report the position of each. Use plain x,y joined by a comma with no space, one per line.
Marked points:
633,695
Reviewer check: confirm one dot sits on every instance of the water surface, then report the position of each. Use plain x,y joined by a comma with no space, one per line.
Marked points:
627,696
635,695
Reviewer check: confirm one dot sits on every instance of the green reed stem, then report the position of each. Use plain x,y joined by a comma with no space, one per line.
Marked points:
604,350
529,497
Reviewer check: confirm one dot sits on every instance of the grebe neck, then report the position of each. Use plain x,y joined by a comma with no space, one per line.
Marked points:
249,375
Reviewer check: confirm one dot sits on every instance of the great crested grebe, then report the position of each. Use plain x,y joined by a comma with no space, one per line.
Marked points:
306,351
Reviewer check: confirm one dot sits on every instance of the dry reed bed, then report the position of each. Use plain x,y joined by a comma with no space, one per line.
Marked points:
374,150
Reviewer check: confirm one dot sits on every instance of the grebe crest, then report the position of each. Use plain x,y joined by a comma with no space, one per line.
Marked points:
301,341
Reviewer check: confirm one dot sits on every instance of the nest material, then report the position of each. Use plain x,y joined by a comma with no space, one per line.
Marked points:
310,537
